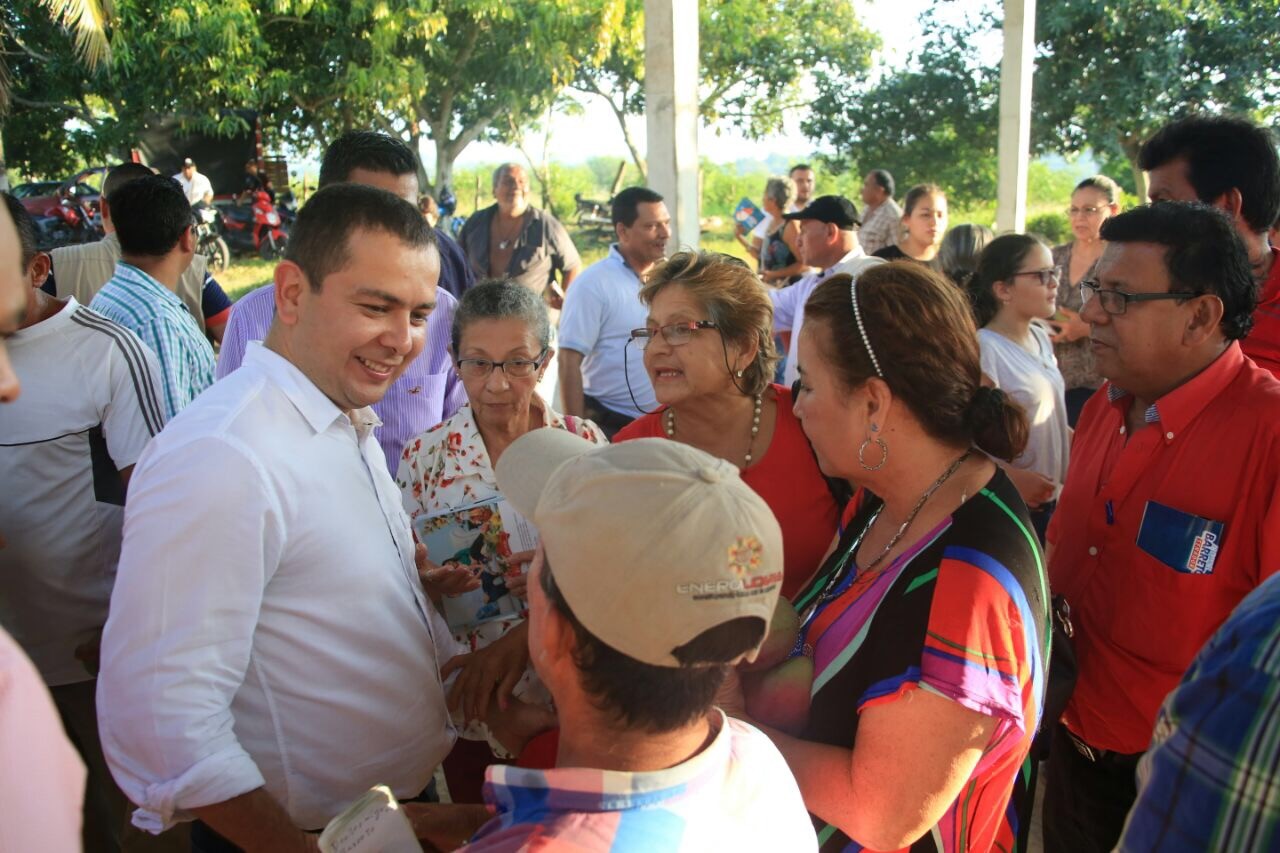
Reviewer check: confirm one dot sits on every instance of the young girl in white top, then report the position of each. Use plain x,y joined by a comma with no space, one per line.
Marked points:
1013,292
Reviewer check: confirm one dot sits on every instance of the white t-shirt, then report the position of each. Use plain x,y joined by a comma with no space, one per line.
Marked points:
1035,382
788,303
196,188
600,310
90,402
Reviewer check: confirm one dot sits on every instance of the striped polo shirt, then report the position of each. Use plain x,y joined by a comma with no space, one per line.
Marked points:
155,314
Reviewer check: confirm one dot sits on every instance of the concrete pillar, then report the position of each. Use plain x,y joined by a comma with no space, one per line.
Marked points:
1016,70
671,111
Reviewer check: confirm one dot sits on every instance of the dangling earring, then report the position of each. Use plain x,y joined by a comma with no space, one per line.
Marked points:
879,442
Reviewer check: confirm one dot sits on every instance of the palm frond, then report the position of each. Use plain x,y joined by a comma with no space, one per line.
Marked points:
87,20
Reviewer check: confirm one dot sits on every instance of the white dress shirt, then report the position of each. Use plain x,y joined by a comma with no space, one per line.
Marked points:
788,303
267,625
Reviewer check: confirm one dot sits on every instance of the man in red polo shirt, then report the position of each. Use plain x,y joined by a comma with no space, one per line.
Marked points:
1170,513
1231,164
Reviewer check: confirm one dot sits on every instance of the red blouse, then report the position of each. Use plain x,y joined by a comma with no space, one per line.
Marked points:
788,479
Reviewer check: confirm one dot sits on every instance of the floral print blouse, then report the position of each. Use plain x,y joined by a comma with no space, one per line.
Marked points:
448,467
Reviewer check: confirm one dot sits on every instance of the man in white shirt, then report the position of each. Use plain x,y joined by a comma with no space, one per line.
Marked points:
829,242
270,654
41,777
92,403
194,183
599,379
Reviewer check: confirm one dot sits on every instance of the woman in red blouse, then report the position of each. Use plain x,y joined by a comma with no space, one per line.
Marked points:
708,349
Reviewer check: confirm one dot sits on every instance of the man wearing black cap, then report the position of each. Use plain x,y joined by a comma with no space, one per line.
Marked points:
194,183
829,242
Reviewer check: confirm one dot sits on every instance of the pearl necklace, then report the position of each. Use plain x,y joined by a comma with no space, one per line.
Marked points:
669,425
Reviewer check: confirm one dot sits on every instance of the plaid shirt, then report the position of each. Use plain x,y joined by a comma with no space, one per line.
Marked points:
737,794
1209,780
155,314
880,226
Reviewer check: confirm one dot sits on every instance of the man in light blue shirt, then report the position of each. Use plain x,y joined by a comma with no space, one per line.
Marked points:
153,222
599,379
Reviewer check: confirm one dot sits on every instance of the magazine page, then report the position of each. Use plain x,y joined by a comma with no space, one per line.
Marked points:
479,537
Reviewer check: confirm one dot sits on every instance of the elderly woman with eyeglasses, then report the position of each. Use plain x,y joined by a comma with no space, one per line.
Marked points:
1013,291
708,350
501,346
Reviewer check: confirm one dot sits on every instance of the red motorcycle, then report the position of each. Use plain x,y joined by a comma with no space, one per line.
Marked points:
255,227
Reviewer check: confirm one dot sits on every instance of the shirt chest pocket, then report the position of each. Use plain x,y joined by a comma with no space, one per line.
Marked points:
1163,616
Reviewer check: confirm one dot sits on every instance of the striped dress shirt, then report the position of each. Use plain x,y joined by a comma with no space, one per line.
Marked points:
427,393
155,314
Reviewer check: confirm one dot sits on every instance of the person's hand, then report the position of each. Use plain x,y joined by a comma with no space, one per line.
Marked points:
739,230
445,826
488,674
441,581
518,723
1034,488
518,579
1070,328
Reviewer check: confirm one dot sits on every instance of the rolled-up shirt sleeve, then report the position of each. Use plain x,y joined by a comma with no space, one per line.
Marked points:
202,537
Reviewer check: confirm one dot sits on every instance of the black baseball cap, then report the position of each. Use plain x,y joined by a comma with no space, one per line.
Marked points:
833,209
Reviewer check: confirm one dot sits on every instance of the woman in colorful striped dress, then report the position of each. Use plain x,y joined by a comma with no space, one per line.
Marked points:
923,638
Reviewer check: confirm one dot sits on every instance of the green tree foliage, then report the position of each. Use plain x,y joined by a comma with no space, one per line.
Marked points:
754,56
1110,74
935,121
54,121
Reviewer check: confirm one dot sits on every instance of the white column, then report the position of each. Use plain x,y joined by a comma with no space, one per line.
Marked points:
1016,70
671,111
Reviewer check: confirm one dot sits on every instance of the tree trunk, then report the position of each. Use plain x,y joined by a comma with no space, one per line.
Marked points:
621,116
415,142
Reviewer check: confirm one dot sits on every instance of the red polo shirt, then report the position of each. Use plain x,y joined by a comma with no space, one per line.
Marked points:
1263,342
1211,449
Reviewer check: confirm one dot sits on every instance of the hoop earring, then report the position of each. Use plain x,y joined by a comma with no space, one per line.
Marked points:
884,453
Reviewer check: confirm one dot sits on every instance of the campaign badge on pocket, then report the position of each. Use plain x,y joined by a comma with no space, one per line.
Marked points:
1184,542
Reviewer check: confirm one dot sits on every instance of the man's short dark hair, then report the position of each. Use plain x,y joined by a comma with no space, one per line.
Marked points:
1204,254
26,225
365,149
319,240
121,174
150,213
883,179
799,167
626,204
656,699
1223,152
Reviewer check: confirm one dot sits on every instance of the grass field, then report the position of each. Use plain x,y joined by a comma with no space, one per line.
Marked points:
248,273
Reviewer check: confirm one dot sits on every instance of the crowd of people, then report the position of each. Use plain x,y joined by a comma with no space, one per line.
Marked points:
851,546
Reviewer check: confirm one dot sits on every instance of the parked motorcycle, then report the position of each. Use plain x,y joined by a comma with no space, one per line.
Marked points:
68,222
209,240
254,228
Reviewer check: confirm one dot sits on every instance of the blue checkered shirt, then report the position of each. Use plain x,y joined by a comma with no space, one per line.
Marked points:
1209,781
155,314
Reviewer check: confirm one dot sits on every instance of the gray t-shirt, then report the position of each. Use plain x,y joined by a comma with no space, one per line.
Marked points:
542,247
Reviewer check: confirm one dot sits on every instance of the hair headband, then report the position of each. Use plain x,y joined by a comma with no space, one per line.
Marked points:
862,330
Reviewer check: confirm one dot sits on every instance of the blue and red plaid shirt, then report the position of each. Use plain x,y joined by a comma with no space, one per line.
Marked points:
737,794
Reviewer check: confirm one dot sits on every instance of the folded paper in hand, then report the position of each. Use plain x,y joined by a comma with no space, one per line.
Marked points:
375,823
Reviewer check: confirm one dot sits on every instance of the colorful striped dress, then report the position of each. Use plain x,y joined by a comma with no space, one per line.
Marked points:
961,614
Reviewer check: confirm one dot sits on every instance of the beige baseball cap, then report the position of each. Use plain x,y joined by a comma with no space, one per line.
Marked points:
651,542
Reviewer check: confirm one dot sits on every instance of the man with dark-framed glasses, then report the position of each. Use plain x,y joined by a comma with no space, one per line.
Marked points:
1170,513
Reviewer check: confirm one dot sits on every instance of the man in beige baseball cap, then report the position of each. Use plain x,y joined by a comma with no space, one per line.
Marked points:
657,569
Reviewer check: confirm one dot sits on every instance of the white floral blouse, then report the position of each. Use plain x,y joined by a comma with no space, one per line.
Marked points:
448,467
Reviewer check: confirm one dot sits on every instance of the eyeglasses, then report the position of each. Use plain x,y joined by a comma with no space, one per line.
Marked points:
1046,276
1117,301
514,368
1085,211
675,334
